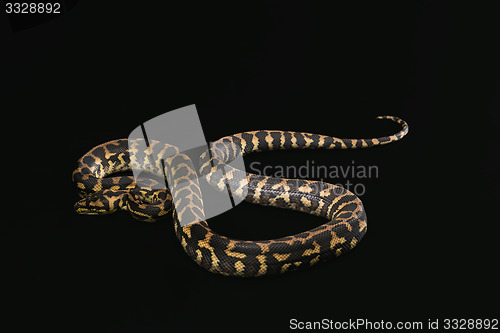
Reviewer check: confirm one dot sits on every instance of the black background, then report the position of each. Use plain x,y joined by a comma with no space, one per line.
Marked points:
99,70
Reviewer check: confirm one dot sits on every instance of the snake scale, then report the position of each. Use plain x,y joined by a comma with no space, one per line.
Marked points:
346,225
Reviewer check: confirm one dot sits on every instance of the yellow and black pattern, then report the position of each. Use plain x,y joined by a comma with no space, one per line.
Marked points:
219,254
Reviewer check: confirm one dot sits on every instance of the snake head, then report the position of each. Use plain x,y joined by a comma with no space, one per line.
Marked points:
101,202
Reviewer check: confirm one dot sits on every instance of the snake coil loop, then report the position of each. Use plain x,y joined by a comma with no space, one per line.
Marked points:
346,218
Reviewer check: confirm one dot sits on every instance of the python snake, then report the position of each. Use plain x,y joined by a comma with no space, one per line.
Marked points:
102,193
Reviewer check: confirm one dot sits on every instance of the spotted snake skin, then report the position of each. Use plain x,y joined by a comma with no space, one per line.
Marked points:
346,218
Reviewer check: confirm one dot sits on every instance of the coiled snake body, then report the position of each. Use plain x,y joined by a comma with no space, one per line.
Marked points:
102,194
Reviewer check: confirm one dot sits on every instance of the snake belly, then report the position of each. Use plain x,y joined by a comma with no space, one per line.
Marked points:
346,218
